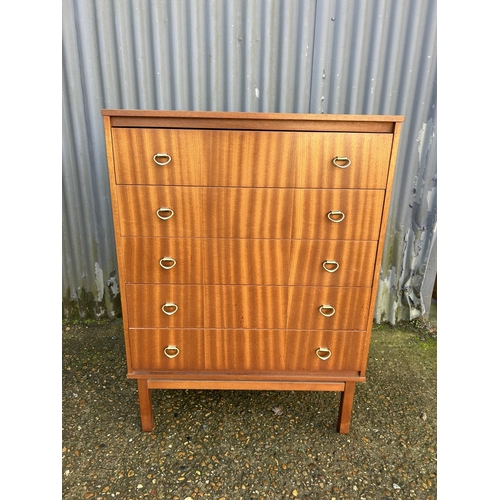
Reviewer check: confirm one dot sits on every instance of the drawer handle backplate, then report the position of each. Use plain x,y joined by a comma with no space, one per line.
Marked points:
328,263
336,213
342,159
167,308
167,262
323,353
169,212
171,348
327,307
162,155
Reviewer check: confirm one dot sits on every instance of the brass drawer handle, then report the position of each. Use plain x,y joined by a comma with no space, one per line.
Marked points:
162,155
323,353
334,213
166,308
169,211
331,263
167,259
327,307
171,348
342,159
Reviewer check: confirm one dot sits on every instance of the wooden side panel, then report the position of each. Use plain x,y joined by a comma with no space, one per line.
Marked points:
248,306
248,213
138,206
245,350
350,305
147,350
360,209
350,262
367,159
145,304
338,351
136,148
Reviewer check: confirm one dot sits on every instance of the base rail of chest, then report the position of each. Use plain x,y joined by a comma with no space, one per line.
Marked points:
146,385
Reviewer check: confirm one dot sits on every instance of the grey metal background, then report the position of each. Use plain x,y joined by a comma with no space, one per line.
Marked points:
298,56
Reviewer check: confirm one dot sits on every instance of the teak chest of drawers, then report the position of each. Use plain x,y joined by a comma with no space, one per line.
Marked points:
249,247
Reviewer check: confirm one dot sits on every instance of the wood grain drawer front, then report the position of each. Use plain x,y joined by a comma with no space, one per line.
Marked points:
135,150
332,263
238,261
245,350
362,159
162,260
162,350
315,351
160,211
248,213
248,306
328,308
338,214
152,306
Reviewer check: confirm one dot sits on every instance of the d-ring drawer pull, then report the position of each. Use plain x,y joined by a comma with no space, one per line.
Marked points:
323,353
167,308
328,263
337,213
167,262
170,348
326,307
342,159
168,211
162,155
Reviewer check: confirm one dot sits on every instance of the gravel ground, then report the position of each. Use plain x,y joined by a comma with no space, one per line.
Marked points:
249,444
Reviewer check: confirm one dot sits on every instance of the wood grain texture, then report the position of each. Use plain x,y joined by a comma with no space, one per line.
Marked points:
350,304
147,350
248,213
368,153
354,258
346,349
248,351
136,148
249,306
362,209
245,261
138,206
142,258
145,306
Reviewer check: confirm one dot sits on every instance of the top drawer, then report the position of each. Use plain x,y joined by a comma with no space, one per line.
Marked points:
251,158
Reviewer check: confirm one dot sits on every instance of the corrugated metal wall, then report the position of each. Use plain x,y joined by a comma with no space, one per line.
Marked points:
299,56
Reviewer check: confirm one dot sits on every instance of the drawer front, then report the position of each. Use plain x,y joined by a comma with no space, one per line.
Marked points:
332,263
136,150
162,350
148,306
216,261
315,351
362,159
205,212
338,214
328,308
242,158
248,306
160,211
245,350
162,260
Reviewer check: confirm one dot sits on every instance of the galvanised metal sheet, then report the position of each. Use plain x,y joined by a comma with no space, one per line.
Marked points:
299,56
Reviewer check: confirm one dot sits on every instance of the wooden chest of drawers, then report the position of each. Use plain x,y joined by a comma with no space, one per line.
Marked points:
249,247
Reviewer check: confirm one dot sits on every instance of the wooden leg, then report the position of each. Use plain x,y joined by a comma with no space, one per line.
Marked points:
346,401
146,405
